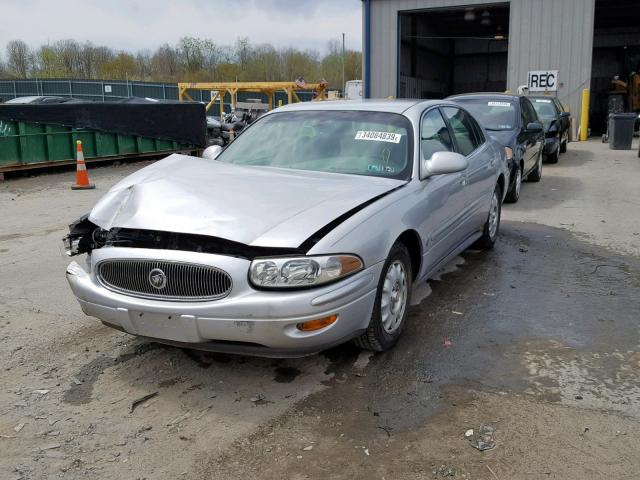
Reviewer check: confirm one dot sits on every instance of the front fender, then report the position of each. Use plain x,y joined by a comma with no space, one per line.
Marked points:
371,232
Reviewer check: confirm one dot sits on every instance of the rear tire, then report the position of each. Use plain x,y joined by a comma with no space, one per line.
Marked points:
391,307
492,225
536,174
513,195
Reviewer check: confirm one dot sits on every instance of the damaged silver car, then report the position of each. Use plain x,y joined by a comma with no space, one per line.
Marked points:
307,231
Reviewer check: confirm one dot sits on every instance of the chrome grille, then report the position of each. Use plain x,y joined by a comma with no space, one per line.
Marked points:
182,281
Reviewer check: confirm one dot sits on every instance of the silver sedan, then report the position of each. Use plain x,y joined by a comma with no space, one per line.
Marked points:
307,231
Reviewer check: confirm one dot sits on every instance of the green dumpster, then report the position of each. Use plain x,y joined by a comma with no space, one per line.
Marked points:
26,145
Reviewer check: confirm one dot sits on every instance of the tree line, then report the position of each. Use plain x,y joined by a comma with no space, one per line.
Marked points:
191,59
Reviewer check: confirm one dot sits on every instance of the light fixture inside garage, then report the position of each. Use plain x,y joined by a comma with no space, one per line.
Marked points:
486,18
469,15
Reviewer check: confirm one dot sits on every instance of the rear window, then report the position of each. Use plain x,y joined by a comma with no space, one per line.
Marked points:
493,114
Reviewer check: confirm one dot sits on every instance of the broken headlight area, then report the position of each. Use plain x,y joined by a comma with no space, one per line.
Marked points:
83,237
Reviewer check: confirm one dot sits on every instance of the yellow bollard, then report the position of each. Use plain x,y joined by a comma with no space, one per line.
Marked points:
584,116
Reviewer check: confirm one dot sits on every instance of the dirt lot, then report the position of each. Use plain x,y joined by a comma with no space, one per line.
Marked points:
538,339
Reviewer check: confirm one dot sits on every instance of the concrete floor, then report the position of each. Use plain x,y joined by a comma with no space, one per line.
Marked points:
538,338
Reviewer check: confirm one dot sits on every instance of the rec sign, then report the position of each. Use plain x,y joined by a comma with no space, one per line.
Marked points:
543,81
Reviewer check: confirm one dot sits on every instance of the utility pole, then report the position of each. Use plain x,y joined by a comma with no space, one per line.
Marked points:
343,83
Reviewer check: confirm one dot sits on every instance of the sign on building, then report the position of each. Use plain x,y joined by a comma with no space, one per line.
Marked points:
543,81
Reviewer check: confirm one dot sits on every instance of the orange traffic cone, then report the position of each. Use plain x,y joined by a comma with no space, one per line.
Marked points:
82,177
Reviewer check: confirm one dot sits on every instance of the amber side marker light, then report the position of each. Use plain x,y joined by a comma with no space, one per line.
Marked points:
312,325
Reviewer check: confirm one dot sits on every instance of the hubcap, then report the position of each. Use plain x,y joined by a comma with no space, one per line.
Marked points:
393,301
518,182
493,215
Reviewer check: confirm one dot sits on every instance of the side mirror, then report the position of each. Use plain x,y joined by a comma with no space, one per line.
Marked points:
565,115
534,127
212,152
442,163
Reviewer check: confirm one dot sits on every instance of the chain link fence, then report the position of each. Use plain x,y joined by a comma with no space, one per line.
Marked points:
111,91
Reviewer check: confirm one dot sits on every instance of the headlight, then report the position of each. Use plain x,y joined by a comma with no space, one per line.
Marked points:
508,152
298,272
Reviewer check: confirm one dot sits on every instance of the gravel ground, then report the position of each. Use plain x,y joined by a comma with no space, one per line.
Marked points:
537,339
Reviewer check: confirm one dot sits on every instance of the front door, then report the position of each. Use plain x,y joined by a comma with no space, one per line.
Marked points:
442,199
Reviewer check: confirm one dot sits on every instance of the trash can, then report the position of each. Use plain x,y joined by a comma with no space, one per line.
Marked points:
621,127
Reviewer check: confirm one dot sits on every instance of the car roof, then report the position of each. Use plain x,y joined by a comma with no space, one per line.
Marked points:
34,99
511,96
22,99
374,105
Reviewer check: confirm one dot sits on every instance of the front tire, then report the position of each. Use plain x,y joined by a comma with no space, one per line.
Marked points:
536,173
563,145
391,307
492,225
555,156
513,195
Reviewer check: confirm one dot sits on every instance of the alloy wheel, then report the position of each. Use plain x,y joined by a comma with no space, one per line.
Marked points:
393,300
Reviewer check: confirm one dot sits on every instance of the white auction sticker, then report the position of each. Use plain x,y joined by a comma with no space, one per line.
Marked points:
499,104
541,100
378,136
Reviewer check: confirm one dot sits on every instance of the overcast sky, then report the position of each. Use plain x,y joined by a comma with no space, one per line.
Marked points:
138,24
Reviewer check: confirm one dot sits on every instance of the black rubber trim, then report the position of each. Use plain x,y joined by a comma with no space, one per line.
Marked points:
155,239
309,243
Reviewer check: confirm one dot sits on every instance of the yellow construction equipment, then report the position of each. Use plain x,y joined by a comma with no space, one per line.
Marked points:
219,89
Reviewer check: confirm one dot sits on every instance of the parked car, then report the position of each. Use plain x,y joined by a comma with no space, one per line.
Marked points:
557,123
305,232
38,100
512,121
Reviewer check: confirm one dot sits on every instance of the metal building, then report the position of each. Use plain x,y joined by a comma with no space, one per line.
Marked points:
435,48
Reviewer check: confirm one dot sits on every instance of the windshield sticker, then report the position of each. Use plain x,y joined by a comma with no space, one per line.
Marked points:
380,168
542,100
499,104
378,136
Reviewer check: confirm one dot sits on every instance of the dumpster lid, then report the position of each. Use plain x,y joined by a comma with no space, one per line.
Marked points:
624,116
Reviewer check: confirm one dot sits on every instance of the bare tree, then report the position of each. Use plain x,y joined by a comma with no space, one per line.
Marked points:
192,59
18,58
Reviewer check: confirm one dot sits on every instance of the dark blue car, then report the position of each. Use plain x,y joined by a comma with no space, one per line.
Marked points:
512,120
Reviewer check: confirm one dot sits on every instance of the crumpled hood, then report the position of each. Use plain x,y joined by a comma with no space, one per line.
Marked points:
257,206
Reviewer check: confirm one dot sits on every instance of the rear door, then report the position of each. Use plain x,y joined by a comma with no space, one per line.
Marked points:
470,142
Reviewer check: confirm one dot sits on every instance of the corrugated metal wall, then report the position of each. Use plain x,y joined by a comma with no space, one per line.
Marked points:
543,35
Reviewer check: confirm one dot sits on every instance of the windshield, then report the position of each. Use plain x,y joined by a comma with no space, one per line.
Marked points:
499,114
544,107
359,143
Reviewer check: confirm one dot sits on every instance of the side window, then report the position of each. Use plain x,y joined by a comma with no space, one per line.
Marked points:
478,131
559,105
463,130
434,134
528,112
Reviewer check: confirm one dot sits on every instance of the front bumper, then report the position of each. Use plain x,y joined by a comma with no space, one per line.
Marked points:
550,145
247,321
